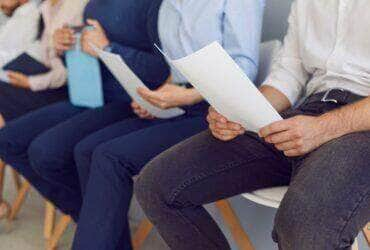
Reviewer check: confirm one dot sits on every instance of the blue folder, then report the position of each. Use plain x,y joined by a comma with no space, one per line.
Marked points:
84,78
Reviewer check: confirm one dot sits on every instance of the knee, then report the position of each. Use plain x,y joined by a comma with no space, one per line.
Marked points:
155,187
83,153
42,156
303,222
10,143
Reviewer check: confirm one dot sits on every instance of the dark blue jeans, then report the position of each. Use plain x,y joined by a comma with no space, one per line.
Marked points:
108,160
40,146
327,204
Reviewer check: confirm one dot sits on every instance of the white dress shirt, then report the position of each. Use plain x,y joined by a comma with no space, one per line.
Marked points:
327,46
19,32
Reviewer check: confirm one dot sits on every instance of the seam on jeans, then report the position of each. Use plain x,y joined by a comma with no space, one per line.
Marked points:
200,177
351,214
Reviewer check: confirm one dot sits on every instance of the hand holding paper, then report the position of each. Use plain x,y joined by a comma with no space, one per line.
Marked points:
226,87
130,82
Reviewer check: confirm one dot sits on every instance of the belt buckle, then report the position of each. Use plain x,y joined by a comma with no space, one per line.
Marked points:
326,97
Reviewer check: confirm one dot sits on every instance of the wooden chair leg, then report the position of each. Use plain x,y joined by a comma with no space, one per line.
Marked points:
236,229
19,200
60,228
366,232
17,180
141,234
49,220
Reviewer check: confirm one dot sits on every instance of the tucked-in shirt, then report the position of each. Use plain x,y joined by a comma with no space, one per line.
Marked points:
186,26
19,32
327,46
131,27
55,16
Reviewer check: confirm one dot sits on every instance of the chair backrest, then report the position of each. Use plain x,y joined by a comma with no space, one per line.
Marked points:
275,22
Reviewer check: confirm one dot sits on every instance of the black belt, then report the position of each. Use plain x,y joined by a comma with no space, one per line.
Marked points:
337,96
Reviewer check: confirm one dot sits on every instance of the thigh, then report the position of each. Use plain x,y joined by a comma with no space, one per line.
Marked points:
330,191
203,169
22,131
141,145
15,102
61,139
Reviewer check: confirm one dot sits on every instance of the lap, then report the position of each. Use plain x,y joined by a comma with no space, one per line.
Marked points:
205,169
62,138
22,131
335,177
142,140
15,102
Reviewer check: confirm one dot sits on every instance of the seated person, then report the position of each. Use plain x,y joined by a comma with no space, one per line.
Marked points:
108,159
130,30
321,85
20,30
24,94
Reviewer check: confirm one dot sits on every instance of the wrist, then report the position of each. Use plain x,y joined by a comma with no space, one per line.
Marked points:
332,126
193,96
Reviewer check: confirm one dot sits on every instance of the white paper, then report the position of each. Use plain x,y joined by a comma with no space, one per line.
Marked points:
226,87
130,82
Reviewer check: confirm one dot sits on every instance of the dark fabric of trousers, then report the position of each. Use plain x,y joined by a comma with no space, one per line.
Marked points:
40,146
328,201
108,160
15,102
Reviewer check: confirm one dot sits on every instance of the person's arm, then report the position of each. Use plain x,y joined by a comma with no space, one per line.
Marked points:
349,119
288,74
242,27
55,78
149,65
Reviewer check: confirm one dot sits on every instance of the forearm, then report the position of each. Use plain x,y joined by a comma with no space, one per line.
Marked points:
277,99
349,119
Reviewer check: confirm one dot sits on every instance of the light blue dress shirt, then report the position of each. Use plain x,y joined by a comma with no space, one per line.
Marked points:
186,26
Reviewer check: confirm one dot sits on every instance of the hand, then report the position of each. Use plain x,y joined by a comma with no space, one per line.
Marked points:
96,37
221,128
170,96
63,39
141,112
296,136
18,80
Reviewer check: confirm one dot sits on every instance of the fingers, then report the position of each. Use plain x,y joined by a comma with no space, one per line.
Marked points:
141,112
275,127
95,24
282,137
154,97
18,79
220,122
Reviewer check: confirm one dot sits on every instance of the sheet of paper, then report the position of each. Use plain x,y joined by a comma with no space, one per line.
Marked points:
130,82
226,87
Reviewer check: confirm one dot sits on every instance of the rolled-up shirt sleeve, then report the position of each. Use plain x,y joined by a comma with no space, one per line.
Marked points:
55,78
241,39
288,74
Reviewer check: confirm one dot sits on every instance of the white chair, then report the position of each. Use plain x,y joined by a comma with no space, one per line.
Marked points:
272,197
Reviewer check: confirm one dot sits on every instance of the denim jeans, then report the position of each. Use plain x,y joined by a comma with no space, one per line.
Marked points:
327,203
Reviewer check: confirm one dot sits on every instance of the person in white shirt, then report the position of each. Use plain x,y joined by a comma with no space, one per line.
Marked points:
320,83
21,30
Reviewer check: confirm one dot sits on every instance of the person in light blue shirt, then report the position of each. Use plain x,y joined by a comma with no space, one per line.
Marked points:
108,160
235,24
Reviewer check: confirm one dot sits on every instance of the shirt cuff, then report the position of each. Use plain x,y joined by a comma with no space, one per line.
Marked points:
286,86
